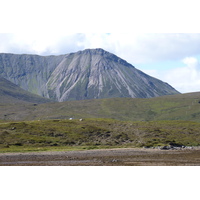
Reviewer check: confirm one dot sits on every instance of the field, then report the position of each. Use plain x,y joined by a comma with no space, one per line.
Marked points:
173,107
147,124
67,134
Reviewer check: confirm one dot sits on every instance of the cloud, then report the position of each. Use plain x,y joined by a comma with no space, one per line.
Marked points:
139,48
149,48
185,79
40,43
136,48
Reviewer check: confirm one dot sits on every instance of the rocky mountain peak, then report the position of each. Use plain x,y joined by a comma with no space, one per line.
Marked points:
103,54
87,74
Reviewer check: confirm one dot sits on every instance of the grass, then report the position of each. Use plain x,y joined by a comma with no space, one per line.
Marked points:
45,135
108,123
173,107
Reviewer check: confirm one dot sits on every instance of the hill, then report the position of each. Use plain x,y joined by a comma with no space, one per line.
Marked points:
88,74
159,121
171,107
13,94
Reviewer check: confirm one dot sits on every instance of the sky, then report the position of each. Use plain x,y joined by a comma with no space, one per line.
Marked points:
171,57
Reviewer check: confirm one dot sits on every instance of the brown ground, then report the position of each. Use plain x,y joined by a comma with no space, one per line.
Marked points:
112,157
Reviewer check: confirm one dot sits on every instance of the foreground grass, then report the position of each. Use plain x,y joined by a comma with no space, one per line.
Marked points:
66,135
26,149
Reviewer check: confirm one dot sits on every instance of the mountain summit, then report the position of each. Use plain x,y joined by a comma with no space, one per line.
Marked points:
88,74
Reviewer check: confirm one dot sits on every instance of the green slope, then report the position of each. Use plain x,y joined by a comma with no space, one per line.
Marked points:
136,123
173,107
11,93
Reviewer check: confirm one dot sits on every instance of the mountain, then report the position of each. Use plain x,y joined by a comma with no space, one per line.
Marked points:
30,72
11,93
88,74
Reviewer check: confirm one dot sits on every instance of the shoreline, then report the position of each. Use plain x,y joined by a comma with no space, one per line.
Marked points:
105,157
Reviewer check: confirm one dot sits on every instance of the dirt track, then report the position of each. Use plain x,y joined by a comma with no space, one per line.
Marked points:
112,157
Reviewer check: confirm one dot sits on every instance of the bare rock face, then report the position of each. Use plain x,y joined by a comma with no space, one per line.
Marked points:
30,72
88,74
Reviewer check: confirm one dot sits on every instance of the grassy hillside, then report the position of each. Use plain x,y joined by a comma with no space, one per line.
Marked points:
95,133
132,123
13,94
173,107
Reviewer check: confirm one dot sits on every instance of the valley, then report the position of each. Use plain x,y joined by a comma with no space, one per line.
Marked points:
97,108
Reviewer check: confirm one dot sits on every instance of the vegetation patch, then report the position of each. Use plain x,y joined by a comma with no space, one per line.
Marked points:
95,134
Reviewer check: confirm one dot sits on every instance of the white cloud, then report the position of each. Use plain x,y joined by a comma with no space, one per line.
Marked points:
191,62
40,43
139,48
185,79
136,48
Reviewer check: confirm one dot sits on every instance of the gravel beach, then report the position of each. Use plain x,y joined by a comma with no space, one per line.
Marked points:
105,157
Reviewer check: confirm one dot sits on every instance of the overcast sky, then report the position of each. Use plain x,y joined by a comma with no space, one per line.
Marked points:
158,36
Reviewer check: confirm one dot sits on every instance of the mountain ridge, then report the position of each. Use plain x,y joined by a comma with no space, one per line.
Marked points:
87,74
11,93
